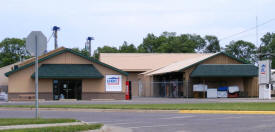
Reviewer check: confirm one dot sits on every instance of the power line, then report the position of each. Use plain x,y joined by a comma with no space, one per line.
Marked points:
246,30
50,38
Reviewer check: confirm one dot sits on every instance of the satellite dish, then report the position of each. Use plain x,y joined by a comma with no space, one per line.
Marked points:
36,37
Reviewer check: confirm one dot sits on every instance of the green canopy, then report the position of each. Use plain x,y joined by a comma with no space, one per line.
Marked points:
68,71
225,70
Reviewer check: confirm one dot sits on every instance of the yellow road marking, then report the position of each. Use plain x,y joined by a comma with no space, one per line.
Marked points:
225,112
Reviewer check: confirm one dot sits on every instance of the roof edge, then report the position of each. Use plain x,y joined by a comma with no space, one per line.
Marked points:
219,53
101,76
61,52
32,63
97,61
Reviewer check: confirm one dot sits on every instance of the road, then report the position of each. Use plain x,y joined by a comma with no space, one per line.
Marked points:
162,122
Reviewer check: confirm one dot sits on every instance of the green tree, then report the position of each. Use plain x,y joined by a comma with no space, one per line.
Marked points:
82,51
169,42
268,42
213,44
127,48
150,44
197,41
268,45
105,49
12,50
242,50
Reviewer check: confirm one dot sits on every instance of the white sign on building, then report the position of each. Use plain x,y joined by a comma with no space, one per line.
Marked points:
264,71
264,79
113,83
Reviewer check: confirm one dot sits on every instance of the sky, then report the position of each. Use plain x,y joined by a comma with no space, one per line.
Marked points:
111,22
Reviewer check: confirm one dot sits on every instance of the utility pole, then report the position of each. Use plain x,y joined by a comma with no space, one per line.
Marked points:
55,29
257,30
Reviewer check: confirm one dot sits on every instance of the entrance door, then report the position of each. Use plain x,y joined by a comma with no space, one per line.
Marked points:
175,88
140,89
67,89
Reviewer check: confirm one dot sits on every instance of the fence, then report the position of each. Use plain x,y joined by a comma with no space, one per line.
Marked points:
173,89
169,89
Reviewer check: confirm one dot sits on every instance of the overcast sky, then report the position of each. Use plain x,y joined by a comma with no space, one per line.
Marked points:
111,22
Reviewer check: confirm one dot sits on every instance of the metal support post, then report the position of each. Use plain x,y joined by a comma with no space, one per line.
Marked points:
36,78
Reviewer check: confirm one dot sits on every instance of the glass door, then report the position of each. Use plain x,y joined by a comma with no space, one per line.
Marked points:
67,89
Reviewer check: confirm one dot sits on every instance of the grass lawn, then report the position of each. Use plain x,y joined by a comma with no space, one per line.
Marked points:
202,106
23,121
74,128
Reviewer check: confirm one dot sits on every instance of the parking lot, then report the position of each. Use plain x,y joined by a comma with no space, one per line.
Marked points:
162,122
154,121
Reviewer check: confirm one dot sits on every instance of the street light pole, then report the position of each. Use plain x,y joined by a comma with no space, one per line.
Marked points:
36,78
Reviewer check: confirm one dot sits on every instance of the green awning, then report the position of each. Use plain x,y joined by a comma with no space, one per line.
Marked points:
225,70
68,71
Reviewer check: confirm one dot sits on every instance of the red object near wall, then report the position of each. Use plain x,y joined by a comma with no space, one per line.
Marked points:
127,94
233,95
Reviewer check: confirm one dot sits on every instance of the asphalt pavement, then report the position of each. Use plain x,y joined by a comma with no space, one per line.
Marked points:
162,122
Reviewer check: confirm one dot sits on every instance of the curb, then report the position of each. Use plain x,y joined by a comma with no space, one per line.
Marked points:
90,110
107,128
226,112
40,125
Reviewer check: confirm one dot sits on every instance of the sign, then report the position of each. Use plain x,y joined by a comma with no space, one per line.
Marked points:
113,83
36,44
264,71
36,37
265,91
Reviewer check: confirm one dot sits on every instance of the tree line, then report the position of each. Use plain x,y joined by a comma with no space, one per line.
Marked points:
13,49
170,42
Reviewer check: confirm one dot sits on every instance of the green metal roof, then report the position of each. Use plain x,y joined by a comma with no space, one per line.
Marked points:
68,71
70,51
225,70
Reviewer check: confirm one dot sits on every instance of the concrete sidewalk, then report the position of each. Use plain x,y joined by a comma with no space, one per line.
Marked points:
107,128
40,125
104,128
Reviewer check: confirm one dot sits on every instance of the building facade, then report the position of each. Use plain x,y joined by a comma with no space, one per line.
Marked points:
67,74
174,74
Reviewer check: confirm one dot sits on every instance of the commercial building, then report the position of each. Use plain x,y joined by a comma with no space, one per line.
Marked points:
174,74
66,74
3,78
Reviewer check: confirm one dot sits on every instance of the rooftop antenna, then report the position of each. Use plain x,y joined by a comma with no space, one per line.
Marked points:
88,46
55,29
257,30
